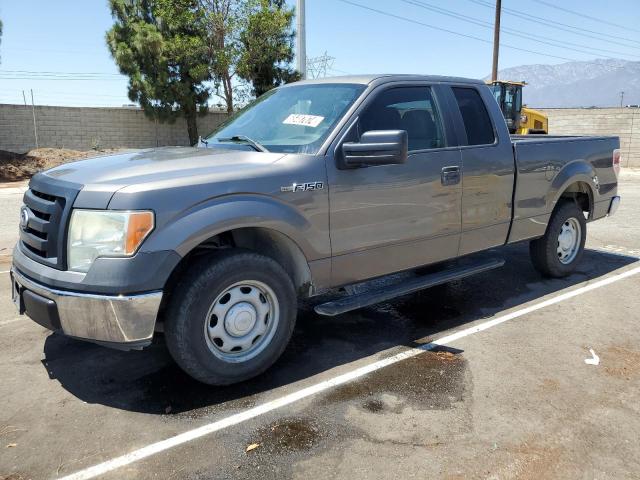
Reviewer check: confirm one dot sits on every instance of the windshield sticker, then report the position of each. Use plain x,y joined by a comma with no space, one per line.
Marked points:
303,119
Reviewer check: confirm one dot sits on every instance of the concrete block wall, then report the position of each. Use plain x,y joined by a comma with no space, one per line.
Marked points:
82,128
622,122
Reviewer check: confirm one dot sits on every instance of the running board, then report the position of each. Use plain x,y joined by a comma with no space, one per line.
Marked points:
379,295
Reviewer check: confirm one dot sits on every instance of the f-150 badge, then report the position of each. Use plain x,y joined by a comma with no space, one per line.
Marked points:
303,187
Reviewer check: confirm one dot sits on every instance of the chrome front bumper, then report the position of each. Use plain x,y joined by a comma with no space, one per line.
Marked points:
117,319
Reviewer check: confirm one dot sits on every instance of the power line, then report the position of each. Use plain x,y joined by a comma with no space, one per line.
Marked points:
49,93
472,37
93,79
337,70
599,20
559,25
31,72
509,31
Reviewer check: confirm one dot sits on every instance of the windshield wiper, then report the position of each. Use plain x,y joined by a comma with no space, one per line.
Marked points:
244,139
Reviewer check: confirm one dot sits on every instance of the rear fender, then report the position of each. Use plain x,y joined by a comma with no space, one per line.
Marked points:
577,171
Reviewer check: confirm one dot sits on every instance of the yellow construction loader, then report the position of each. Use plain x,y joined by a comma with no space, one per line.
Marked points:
520,119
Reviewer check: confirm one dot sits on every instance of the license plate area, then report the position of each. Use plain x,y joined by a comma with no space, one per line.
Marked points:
16,295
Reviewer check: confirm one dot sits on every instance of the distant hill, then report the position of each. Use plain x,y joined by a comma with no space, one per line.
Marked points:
596,83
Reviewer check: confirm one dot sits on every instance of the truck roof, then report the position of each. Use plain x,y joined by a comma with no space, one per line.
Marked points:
384,78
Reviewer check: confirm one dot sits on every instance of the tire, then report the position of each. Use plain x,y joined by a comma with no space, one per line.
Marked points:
256,289
549,254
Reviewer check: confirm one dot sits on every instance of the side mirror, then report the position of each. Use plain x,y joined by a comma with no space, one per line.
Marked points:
376,147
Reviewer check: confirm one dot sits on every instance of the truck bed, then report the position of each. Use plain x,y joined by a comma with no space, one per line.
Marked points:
546,165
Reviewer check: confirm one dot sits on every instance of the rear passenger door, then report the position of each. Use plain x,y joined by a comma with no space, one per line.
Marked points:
389,218
488,168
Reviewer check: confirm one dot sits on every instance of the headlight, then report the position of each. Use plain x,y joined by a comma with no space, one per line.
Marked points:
523,118
105,233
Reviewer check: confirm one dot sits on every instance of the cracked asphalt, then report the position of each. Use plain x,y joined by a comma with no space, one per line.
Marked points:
516,401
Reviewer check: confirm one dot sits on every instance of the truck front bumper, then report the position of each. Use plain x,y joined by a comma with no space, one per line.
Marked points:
122,321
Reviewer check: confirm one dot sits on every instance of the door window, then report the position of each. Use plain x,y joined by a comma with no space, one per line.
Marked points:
476,119
406,108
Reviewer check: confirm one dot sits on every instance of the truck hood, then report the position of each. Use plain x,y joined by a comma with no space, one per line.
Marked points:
113,172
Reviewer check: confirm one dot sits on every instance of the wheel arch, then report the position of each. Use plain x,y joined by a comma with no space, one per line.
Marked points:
575,181
265,241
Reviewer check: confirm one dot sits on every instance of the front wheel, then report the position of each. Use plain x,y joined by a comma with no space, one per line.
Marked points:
231,317
558,252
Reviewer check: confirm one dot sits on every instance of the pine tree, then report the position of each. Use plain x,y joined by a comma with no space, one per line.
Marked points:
160,45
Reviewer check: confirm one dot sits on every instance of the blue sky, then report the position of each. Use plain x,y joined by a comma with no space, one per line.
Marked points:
68,36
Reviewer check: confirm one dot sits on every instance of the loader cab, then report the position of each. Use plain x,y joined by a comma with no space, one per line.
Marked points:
520,119
509,98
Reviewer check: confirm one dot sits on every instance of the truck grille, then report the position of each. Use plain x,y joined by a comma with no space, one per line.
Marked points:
43,223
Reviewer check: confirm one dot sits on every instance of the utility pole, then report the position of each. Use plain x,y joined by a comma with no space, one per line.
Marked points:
496,41
621,98
301,39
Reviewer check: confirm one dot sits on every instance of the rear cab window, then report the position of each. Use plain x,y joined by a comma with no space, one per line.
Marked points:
406,108
475,117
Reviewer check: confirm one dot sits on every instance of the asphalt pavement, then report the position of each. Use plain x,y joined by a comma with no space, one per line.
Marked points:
503,393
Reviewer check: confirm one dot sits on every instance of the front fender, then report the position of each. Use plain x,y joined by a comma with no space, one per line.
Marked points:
222,214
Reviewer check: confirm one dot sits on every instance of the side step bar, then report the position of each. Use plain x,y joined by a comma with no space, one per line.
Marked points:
379,295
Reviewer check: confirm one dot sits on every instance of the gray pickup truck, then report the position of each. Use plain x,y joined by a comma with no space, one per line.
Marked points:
317,184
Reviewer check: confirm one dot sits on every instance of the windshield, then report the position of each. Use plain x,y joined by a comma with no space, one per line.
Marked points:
497,93
295,119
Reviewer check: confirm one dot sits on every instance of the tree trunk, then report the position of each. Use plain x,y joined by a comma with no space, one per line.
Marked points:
192,126
228,92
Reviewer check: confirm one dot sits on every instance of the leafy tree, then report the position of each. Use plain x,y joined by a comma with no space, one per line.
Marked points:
248,40
267,51
161,46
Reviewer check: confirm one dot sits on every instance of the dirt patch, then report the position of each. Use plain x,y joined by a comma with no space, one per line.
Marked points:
621,362
550,385
22,166
532,462
373,406
433,380
286,435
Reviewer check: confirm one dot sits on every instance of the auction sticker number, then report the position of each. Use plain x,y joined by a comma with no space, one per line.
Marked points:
304,120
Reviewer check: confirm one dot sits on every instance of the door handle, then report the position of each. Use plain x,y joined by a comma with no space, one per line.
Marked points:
450,175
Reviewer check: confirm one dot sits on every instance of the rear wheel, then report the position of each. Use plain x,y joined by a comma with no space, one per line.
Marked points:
231,317
558,252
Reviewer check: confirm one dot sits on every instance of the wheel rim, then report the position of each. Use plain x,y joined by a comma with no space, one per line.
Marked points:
241,321
569,240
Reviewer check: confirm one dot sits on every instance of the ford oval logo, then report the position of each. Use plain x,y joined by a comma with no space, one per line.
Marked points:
24,217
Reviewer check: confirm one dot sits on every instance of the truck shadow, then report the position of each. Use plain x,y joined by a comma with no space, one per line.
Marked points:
148,381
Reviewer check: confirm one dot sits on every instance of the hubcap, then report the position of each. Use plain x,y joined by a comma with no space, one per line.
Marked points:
242,321
569,240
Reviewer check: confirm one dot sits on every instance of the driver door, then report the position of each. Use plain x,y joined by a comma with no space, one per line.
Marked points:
388,218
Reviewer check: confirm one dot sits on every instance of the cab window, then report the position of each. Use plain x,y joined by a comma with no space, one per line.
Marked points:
406,108
475,117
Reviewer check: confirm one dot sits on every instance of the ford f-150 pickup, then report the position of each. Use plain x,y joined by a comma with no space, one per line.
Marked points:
316,185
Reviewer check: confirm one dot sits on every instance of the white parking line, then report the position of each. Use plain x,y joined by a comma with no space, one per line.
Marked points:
272,405
4,271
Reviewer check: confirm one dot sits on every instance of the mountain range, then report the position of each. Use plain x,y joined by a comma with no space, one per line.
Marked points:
595,83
